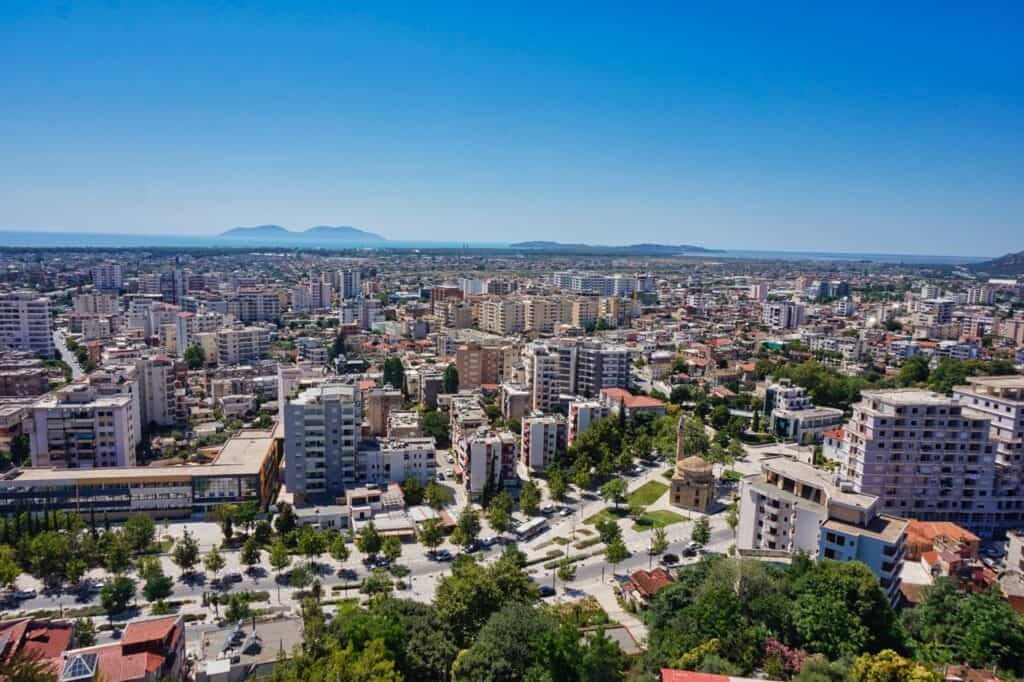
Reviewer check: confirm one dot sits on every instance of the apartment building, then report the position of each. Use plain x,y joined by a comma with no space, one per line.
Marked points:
254,305
378,403
95,303
160,401
924,455
793,507
321,435
78,427
515,401
793,417
541,314
1001,399
363,312
350,282
395,460
321,293
550,372
479,364
242,345
504,316
583,413
188,325
543,437
600,366
485,458
22,375
25,323
782,315
107,276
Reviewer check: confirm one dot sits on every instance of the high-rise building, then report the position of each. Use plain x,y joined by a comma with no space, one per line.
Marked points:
321,434
479,364
378,403
364,312
238,346
25,323
503,316
76,426
783,315
924,455
543,437
351,280
583,413
107,277
157,393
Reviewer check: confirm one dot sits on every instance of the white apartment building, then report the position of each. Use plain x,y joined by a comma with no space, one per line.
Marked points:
543,437
321,435
25,323
321,294
238,346
399,459
254,305
485,458
107,276
583,413
157,393
924,455
573,367
351,281
188,325
1001,398
541,314
362,311
792,416
783,315
471,286
93,303
78,427
793,507
983,295
503,316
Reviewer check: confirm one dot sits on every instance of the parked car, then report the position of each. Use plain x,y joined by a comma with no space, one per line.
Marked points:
232,577
442,555
490,541
24,594
669,559
565,511
547,509
546,591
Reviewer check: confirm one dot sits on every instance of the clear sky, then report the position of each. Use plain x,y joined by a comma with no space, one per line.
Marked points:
892,127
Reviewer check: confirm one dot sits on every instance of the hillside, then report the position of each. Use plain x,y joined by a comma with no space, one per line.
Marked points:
1010,265
320,233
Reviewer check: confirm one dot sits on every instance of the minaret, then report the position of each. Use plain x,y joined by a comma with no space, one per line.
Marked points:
680,441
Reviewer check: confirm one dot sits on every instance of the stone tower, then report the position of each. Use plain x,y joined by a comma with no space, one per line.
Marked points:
693,482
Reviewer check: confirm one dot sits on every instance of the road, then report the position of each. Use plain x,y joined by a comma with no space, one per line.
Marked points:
593,574
67,356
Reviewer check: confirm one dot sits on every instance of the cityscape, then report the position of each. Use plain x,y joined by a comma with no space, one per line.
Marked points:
465,343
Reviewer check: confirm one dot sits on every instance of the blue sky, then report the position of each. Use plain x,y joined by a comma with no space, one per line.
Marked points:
870,127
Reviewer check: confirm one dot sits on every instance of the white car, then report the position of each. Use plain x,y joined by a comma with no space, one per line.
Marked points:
25,594
449,472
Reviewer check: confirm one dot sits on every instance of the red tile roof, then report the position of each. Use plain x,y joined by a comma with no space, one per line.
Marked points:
668,675
46,639
155,630
648,583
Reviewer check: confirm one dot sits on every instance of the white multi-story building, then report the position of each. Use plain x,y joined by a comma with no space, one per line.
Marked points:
982,295
107,276
76,426
1001,399
254,305
471,286
237,346
793,507
321,294
321,435
188,325
924,455
351,280
792,415
485,458
25,323
362,311
503,316
157,392
543,437
573,367
399,459
93,303
583,413
783,315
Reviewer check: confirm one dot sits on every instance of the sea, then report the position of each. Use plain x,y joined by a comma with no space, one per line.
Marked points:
104,240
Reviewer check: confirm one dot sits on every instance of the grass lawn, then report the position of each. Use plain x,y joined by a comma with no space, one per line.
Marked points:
647,494
607,513
657,519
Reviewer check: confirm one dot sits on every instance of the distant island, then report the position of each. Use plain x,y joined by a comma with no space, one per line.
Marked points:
1012,264
633,249
320,233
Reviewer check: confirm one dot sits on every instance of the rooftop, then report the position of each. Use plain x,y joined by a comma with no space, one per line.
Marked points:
888,529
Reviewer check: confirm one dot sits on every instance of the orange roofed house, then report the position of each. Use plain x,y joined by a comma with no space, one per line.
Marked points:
34,638
150,649
619,399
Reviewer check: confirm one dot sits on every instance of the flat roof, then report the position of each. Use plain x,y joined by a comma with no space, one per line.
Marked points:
245,447
1007,381
806,473
908,396
883,527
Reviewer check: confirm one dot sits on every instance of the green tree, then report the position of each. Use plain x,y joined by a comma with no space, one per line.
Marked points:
914,371
312,543
194,356
529,498
889,666
157,588
186,553
431,534
499,513
285,522
394,373
391,548
338,548
148,567
608,530
581,478
250,555
139,531
238,609
118,557
616,552
369,541
214,560
85,632
614,491
701,531
566,571
469,525
378,582
557,485
659,541
116,594
280,559
435,496
413,491
451,379
436,426
695,437
9,568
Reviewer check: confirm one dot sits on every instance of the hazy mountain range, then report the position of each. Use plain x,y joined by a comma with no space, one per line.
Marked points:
637,249
320,233
1009,265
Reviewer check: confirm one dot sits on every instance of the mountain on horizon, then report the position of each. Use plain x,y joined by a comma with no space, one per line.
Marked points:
1011,264
340,233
